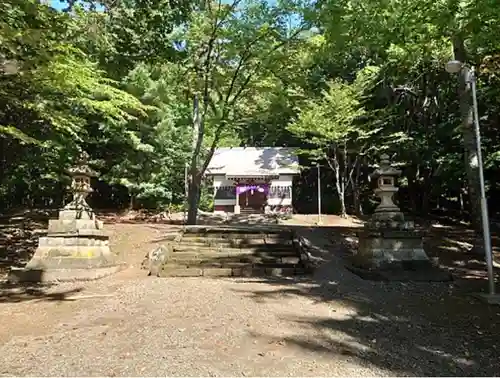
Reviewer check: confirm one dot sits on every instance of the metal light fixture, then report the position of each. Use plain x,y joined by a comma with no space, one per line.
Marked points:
453,66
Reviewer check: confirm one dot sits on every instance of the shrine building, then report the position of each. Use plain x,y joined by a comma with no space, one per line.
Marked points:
253,180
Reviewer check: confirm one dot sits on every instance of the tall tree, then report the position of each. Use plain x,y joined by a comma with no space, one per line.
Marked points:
157,146
230,49
331,126
49,99
419,37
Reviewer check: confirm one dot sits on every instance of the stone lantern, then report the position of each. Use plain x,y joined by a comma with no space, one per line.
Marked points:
389,245
386,188
75,247
80,187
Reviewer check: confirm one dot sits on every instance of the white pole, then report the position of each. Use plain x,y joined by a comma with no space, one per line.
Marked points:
319,193
484,205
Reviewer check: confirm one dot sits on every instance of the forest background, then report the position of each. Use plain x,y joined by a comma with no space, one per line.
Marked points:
148,87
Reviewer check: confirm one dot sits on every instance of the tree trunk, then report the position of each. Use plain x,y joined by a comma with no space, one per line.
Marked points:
461,198
344,180
193,198
339,186
343,211
469,139
358,210
131,204
195,183
341,190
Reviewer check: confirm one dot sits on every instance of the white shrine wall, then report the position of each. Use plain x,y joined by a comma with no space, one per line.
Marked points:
281,183
221,181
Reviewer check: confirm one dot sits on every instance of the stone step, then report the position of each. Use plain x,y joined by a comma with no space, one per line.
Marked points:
226,249
237,235
271,239
194,243
236,261
270,259
205,249
247,271
236,243
230,234
231,253
216,244
224,241
254,239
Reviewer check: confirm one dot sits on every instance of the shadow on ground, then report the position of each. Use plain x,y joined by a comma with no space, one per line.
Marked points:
19,238
410,329
204,218
16,293
416,329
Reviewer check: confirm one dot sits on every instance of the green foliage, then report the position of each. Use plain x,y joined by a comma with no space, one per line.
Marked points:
49,103
333,127
414,101
206,198
121,83
232,55
157,146
331,120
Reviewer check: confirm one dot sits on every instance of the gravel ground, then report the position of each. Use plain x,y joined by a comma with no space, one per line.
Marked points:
331,324
182,327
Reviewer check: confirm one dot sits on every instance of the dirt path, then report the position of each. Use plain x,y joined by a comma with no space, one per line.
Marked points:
331,324
35,313
148,326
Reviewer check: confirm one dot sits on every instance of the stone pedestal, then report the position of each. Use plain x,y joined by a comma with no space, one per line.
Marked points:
73,249
393,251
389,245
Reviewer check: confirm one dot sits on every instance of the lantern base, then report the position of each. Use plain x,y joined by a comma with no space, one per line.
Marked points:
388,215
45,275
389,247
75,248
393,251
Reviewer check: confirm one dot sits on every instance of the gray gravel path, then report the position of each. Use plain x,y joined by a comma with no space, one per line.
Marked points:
331,324
180,327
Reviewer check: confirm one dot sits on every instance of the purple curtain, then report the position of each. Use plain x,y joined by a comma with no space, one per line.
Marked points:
245,188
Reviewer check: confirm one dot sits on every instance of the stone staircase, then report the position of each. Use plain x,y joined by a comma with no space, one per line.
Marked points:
249,211
234,251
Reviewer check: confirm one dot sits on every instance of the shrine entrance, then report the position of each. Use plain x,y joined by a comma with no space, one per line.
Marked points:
255,200
252,197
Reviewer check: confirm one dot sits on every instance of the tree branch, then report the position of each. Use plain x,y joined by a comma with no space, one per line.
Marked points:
240,65
215,142
244,58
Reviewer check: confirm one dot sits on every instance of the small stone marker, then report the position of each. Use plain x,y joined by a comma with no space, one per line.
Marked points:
156,258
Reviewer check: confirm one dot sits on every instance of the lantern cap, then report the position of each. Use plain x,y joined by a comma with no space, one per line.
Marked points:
81,168
385,168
